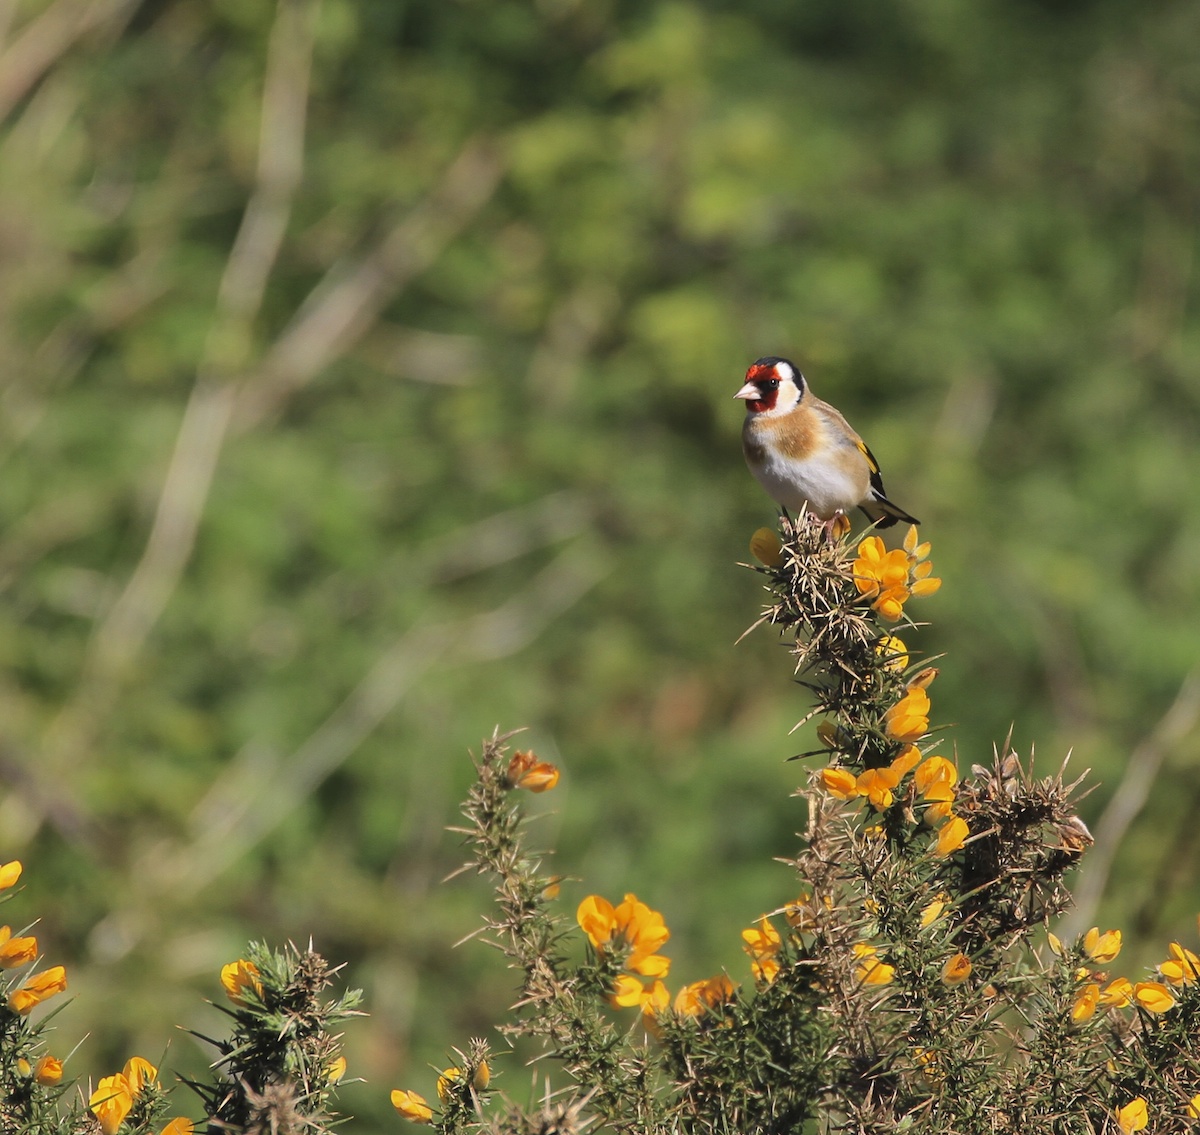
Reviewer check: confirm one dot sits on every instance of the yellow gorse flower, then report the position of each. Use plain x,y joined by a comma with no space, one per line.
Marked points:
9,874
1133,1116
114,1095
1193,1107
694,999
446,1082
16,952
1086,1000
940,799
933,771
765,970
634,925
526,771
335,1069
139,1074
1117,993
894,650
1102,948
766,548
1153,996
876,785
110,1102
909,758
627,991
238,978
37,989
931,913
48,1071
654,1002
908,719
1182,967
412,1106
870,970
956,970
833,736
762,940
952,835
180,1125
839,782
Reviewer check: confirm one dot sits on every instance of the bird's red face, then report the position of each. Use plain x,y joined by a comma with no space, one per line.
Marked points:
761,388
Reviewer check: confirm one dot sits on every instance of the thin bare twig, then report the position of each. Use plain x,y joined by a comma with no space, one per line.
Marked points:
121,634
349,300
239,298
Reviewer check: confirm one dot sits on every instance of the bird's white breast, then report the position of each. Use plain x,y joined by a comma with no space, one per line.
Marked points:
829,481
823,485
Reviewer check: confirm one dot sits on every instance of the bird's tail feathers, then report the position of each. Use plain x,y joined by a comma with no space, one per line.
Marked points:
885,514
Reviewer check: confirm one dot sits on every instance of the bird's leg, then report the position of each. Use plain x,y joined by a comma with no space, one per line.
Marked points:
837,526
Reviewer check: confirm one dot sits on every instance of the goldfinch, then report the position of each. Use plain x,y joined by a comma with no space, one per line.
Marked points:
804,452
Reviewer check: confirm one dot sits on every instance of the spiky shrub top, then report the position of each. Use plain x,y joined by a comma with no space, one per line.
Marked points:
281,1060
906,983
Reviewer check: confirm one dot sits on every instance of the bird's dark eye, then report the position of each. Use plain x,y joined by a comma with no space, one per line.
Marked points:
769,383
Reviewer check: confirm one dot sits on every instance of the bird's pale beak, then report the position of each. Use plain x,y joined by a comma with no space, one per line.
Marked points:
750,392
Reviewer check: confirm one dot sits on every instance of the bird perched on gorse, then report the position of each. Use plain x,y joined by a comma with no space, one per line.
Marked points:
804,452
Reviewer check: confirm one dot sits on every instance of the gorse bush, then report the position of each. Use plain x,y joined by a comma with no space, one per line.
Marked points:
276,1071
907,981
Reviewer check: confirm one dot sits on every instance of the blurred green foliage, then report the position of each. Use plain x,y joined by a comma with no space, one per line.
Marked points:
455,336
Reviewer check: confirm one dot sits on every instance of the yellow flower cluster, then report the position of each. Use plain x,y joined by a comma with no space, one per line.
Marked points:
415,1107
526,771
1181,968
16,952
889,579
631,925
637,930
935,778
875,784
634,927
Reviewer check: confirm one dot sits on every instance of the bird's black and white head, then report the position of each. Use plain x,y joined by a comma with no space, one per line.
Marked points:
773,386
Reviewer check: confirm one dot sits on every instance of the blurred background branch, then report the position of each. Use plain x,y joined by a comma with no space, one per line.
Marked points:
1132,792
43,39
